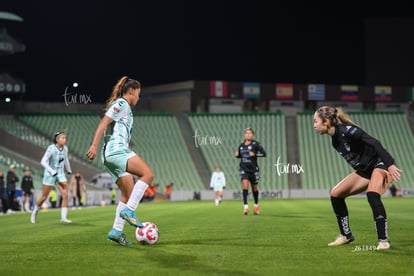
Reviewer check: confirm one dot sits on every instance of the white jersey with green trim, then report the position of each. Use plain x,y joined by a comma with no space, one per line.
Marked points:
120,112
55,159
217,180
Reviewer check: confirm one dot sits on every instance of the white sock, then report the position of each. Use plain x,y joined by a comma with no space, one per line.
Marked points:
246,206
118,221
36,209
64,212
136,195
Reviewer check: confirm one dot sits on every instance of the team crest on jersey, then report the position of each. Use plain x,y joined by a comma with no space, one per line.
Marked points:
347,147
116,109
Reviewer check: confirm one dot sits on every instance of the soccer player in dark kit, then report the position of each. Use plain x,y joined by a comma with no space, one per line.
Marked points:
374,167
248,152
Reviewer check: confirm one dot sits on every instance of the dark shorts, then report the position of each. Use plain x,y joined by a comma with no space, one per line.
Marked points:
253,177
27,193
368,172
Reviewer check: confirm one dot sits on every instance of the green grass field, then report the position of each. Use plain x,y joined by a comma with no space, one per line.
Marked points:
289,237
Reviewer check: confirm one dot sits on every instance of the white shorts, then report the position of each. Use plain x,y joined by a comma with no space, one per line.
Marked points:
116,163
52,180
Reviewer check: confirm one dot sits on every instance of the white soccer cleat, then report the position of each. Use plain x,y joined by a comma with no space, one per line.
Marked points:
341,240
65,220
33,217
383,244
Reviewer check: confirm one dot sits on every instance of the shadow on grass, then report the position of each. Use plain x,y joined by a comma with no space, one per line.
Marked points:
236,242
77,224
297,216
189,264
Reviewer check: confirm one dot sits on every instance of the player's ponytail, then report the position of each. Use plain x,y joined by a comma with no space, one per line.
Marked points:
120,88
335,115
343,117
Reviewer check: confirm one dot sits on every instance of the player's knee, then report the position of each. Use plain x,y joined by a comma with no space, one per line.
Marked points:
148,177
64,193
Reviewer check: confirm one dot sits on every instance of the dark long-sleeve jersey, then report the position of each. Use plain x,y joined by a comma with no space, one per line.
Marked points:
249,163
11,181
27,183
359,149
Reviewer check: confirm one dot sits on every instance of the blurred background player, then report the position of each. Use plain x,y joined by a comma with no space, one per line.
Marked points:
3,196
374,168
167,190
248,152
53,197
12,179
77,190
217,184
119,160
54,161
113,195
27,190
151,192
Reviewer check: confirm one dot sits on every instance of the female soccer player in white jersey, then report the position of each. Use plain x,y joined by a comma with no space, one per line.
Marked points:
54,159
218,184
120,161
374,169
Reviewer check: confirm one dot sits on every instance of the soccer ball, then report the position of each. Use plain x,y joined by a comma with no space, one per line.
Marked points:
148,234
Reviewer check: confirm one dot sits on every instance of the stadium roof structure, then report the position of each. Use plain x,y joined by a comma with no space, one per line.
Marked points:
8,45
10,16
9,84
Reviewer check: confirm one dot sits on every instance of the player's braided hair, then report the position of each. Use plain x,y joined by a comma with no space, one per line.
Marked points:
120,88
334,114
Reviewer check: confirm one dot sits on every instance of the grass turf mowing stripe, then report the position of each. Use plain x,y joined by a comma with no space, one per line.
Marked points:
289,237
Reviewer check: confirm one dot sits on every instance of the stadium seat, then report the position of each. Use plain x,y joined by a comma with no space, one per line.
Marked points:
228,129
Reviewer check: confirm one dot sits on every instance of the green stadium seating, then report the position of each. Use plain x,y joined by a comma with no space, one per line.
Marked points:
79,127
18,129
156,138
159,141
228,129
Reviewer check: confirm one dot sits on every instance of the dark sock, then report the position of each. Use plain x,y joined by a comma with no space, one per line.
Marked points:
380,217
245,192
256,197
74,201
341,213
